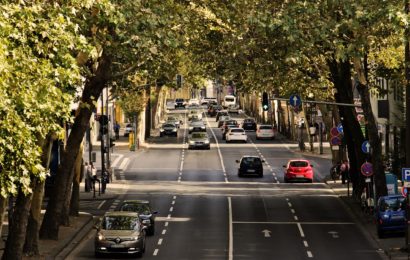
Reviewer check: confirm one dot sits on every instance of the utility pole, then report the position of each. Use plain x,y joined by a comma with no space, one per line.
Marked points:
108,139
102,142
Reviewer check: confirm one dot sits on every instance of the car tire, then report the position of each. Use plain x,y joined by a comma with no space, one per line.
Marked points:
286,180
273,138
151,231
97,254
227,141
261,175
161,134
380,233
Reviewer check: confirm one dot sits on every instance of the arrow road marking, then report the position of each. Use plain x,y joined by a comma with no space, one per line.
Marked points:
266,232
334,234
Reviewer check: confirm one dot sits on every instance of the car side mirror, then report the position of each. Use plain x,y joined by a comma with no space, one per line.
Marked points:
154,212
263,161
237,161
284,166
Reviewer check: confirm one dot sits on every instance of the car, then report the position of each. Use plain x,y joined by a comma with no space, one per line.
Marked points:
221,113
298,170
168,129
199,140
196,125
250,165
180,103
225,129
146,214
222,119
128,129
233,109
265,132
214,109
390,214
194,113
193,101
174,120
120,232
236,134
249,124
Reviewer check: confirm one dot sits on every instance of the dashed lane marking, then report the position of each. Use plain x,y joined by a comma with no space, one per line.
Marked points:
155,252
160,241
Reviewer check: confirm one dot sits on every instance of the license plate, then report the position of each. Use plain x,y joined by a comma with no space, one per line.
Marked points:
300,176
251,170
117,246
397,217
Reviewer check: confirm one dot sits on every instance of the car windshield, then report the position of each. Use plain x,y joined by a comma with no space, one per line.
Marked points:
392,204
120,223
128,125
198,135
251,161
298,164
237,130
136,207
265,127
248,121
230,122
229,99
168,125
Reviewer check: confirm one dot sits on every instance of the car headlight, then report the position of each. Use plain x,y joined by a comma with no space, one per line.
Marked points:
191,142
191,127
101,237
385,216
174,130
146,221
206,142
161,130
202,127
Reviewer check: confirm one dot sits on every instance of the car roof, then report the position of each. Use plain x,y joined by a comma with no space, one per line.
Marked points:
248,156
299,160
121,213
234,128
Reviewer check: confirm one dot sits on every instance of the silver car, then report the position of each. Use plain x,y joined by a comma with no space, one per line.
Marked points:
196,126
199,140
120,232
168,129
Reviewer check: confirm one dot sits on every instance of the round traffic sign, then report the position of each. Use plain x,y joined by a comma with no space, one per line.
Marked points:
334,131
335,140
367,169
404,191
295,100
366,147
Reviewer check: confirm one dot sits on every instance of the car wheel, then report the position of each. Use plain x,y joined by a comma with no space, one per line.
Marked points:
227,141
273,138
97,254
310,181
286,180
380,233
161,135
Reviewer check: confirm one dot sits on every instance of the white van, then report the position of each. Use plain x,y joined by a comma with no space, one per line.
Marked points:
229,100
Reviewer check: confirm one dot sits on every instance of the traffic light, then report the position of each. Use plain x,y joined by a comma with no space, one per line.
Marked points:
179,80
103,124
265,101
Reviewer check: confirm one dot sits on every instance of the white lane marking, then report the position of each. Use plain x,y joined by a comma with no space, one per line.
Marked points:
124,164
230,251
300,229
164,231
292,210
287,199
155,252
293,222
290,204
171,209
117,160
169,216
296,218
166,224
182,165
310,255
101,204
174,198
160,241
219,150
173,202
305,243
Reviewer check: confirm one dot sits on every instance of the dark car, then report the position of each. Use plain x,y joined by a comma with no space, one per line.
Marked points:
230,122
221,113
180,103
390,214
249,124
146,214
199,140
250,165
214,109
225,129
120,233
168,129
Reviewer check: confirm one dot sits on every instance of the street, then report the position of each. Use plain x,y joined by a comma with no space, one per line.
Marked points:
207,212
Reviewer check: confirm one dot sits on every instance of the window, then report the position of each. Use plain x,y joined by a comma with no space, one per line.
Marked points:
298,164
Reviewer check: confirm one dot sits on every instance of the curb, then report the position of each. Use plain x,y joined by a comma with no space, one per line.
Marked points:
68,245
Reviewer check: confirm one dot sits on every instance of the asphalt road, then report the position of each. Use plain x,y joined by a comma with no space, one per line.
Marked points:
207,212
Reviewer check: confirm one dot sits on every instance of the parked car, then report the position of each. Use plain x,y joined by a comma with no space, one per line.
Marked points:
196,125
120,232
222,119
146,214
221,113
265,132
390,214
128,129
236,134
199,140
298,170
168,129
233,109
250,165
249,124
180,103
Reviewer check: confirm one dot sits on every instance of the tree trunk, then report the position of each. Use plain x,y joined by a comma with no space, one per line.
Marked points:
92,90
407,74
148,113
374,139
17,230
341,78
3,207
34,220
78,176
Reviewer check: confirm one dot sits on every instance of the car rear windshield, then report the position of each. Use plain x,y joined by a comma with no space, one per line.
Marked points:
251,160
237,130
198,135
392,204
298,164
169,125
265,127
139,208
120,223
248,120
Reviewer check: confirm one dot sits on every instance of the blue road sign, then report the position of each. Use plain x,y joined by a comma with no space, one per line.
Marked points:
405,174
295,100
366,146
340,128
367,169
335,140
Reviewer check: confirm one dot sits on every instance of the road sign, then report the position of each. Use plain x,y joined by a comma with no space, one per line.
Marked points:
404,191
266,232
335,140
366,147
405,174
367,169
340,128
334,131
295,100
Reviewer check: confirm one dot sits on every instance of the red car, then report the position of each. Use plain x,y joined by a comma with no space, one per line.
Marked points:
298,170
